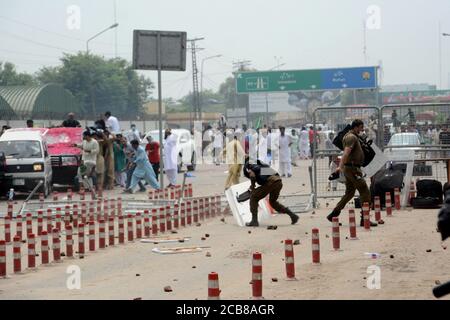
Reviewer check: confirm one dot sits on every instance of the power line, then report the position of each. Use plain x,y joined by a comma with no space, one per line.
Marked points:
217,73
216,52
28,53
56,33
241,65
211,81
182,88
228,65
46,45
40,29
170,82
15,36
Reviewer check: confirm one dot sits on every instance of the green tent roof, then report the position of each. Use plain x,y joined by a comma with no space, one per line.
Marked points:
48,101
6,112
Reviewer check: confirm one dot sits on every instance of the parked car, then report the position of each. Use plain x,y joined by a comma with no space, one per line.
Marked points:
65,157
185,147
403,140
406,139
27,159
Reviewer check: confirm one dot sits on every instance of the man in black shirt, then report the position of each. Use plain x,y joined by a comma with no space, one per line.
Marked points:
270,184
70,122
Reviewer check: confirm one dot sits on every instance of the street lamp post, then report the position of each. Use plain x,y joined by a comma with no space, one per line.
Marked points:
440,56
115,25
201,80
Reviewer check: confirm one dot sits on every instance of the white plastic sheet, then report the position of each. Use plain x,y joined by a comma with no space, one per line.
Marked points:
241,211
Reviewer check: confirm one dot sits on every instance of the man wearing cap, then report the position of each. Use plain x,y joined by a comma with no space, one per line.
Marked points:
70,122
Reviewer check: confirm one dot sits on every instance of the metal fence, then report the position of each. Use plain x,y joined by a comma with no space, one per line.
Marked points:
419,135
416,134
327,123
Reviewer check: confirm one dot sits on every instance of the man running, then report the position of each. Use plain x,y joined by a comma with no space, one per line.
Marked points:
350,165
143,169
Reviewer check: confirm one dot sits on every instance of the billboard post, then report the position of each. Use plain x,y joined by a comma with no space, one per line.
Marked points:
159,50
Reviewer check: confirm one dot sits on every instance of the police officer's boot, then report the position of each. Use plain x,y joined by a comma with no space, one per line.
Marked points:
333,214
254,222
294,217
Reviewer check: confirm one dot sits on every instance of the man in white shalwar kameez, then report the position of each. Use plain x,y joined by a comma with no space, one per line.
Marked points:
294,147
262,146
170,157
304,144
252,137
322,138
285,154
218,146
273,143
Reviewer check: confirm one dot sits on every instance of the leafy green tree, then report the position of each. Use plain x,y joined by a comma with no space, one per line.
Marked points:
210,102
101,84
10,77
228,90
48,75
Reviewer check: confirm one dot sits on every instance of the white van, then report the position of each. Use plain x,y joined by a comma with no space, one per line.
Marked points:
27,159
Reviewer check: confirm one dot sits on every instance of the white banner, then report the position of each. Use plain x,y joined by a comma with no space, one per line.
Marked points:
271,102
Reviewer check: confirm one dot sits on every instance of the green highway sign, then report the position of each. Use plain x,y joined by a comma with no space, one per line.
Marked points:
299,80
257,83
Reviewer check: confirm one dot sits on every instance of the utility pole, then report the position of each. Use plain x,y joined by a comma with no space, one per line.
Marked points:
365,42
115,30
201,80
195,91
240,65
440,56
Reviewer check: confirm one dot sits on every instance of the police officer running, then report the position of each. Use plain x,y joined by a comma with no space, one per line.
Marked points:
350,166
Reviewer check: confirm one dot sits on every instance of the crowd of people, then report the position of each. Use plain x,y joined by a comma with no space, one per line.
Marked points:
288,147
430,134
112,158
